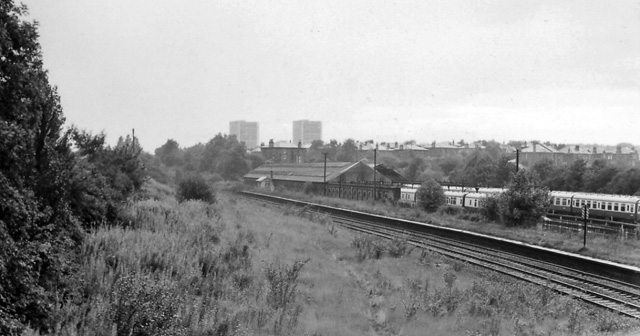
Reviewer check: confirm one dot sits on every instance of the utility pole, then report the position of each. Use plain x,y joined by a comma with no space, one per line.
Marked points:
324,175
375,153
517,160
585,215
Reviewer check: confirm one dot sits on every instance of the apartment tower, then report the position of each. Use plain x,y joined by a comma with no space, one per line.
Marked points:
306,131
245,131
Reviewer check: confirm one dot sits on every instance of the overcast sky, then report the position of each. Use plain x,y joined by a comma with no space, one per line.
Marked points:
563,71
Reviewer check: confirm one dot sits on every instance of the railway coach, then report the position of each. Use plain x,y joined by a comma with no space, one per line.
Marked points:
609,207
454,198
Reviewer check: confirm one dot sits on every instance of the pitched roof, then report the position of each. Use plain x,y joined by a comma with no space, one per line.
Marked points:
393,175
302,172
539,148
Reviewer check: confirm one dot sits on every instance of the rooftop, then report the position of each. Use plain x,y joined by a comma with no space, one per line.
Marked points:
306,172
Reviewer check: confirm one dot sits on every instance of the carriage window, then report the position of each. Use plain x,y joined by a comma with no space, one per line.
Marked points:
608,206
602,205
615,206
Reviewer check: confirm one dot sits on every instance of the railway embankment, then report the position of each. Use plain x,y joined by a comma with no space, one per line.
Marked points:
605,268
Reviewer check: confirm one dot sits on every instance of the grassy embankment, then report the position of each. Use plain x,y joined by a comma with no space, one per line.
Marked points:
242,268
610,247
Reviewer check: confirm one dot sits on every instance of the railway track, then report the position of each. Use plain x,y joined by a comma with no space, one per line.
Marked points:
602,291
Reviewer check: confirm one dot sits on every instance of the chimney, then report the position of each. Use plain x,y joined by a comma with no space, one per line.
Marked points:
299,144
577,148
401,147
618,149
396,145
594,150
271,143
433,144
534,147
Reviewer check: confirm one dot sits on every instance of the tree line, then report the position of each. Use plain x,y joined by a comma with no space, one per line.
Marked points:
221,158
55,183
491,167
600,176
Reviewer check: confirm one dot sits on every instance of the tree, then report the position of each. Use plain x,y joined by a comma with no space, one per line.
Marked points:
574,176
348,151
598,176
195,188
314,153
169,153
543,169
47,190
38,233
523,203
430,196
450,163
626,182
479,168
416,166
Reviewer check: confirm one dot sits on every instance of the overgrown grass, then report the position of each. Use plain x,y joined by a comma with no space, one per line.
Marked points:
619,249
180,269
240,267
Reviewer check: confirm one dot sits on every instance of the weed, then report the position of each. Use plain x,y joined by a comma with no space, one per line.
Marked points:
333,230
398,247
449,279
458,266
283,282
368,247
424,257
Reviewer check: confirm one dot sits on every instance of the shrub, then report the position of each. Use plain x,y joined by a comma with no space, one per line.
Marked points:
195,188
308,188
430,196
489,208
449,210
523,203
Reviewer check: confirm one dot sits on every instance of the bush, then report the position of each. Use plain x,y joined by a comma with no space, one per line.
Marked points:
489,208
522,203
195,188
430,196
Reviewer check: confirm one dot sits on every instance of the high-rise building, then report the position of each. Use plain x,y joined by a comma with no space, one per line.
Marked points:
307,131
245,131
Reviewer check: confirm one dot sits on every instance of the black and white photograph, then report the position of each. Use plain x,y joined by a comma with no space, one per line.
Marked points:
317,168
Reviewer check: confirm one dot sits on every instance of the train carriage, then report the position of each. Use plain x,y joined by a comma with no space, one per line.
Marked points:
610,207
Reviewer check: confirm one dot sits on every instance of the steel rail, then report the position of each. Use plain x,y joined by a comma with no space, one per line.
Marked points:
555,277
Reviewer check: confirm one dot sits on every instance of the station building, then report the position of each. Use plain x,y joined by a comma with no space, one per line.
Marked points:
353,180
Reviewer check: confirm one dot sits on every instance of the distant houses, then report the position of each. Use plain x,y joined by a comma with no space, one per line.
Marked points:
530,152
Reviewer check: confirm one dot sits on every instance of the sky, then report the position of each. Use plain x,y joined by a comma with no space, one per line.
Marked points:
559,71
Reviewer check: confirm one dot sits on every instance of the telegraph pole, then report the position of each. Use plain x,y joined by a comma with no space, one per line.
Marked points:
324,175
517,160
375,152
585,215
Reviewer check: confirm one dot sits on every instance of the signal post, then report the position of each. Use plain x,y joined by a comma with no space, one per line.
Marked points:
585,216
